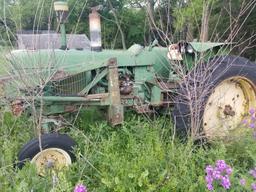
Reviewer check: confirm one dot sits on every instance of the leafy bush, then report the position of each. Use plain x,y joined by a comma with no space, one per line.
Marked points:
140,155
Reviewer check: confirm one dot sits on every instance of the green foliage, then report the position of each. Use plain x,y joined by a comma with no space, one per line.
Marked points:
140,155
170,17
133,22
232,21
191,12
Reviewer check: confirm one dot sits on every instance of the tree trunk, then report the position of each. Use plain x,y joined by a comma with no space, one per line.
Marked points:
150,13
189,35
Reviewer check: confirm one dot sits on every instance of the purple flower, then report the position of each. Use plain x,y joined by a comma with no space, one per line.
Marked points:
216,174
229,170
221,165
252,125
209,170
80,188
210,187
253,172
245,121
220,173
225,182
208,179
242,182
252,111
253,185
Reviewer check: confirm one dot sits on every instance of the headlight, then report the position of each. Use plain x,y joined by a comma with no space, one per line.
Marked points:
190,49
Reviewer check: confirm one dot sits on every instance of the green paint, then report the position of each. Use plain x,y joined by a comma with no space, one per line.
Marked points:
97,78
89,79
205,46
156,98
63,36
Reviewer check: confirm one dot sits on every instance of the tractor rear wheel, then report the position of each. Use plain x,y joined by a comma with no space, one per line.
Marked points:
56,152
215,97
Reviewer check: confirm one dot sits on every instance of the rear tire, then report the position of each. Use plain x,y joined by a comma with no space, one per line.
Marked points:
215,97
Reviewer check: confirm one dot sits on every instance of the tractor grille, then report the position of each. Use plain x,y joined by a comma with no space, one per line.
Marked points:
69,86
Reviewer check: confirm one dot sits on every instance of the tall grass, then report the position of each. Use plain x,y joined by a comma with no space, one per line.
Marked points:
3,52
137,156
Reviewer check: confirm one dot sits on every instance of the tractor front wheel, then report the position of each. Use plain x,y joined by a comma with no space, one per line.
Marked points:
56,152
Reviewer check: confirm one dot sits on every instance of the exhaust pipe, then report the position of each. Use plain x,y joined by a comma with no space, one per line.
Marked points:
61,9
95,29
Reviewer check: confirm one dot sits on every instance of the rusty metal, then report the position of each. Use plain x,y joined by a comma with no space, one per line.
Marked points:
143,109
17,107
126,85
228,111
115,111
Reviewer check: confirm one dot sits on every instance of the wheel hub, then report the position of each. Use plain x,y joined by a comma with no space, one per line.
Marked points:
51,158
227,106
228,110
49,163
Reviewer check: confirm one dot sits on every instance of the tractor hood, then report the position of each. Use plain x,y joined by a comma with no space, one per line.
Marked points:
43,65
75,61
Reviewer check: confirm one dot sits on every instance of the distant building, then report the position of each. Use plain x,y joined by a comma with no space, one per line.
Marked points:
50,40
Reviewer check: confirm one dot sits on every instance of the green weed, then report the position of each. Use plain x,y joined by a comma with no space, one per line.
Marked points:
139,155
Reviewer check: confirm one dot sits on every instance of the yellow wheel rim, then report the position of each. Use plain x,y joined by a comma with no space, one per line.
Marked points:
227,106
51,158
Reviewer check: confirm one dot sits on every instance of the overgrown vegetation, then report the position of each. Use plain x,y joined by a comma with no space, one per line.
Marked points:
143,154
140,155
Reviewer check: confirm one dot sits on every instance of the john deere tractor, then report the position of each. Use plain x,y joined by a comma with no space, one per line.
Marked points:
204,87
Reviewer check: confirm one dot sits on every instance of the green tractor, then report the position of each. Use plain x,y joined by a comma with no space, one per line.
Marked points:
208,91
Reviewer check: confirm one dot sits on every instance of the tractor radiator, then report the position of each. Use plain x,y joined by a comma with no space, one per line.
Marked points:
69,86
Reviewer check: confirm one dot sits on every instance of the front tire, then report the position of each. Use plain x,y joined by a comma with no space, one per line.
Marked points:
56,153
215,97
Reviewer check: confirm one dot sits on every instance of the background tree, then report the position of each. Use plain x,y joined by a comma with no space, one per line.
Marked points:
125,22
